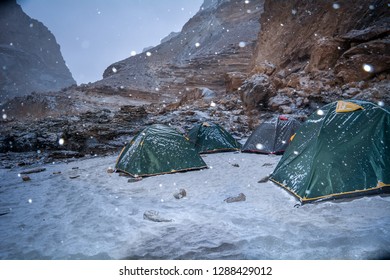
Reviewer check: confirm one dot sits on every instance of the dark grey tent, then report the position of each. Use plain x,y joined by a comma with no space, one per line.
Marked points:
272,136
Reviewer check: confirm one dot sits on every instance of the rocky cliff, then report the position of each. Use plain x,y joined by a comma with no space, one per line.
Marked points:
30,58
311,52
219,39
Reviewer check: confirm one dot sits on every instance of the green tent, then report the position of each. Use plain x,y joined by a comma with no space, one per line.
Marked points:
209,137
342,150
158,149
272,136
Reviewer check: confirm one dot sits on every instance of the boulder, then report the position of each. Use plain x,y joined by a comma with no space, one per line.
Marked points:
27,141
275,103
326,53
256,91
364,61
234,80
197,93
377,30
265,67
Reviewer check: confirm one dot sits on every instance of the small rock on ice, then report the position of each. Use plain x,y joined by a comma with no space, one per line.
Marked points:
240,197
154,216
180,194
26,178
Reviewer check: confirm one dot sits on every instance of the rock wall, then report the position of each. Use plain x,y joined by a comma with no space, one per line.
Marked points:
297,33
314,52
219,39
30,58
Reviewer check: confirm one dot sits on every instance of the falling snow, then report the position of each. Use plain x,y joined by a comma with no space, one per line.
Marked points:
336,6
368,68
259,146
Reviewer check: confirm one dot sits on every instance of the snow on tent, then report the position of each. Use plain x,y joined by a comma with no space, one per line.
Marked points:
209,137
342,150
158,149
272,136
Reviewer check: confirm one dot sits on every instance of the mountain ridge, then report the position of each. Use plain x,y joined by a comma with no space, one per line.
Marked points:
30,57
207,44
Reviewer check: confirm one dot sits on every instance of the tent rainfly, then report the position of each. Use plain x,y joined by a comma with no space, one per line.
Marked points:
272,136
158,149
342,150
209,137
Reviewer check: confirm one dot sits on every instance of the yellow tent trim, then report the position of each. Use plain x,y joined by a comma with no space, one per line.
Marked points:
381,184
304,199
120,155
346,106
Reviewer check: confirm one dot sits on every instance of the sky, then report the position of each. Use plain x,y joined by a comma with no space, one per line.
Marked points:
96,33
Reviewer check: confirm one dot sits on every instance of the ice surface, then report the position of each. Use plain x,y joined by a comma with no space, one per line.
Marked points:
99,215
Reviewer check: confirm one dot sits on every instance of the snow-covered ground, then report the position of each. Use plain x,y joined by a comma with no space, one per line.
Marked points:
99,215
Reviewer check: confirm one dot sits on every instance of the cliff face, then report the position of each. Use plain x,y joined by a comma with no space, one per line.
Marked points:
294,32
319,51
30,58
220,38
